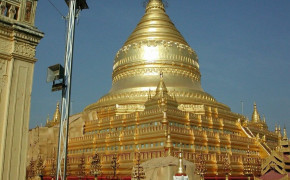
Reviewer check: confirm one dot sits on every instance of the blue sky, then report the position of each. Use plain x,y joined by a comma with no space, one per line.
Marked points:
243,48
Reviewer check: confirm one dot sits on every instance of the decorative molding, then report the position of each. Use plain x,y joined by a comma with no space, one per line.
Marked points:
144,94
163,56
130,107
28,34
175,58
5,30
194,76
155,43
191,107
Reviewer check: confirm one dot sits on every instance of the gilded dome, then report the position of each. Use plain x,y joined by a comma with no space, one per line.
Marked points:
155,46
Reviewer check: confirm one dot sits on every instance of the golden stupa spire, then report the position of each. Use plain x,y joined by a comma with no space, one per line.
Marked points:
264,119
155,25
155,4
47,119
285,134
255,115
279,134
276,129
161,88
149,94
56,116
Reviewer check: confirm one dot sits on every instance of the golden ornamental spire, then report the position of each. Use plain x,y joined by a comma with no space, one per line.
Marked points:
56,116
155,4
276,129
285,134
149,94
264,119
161,88
255,115
155,25
47,119
279,132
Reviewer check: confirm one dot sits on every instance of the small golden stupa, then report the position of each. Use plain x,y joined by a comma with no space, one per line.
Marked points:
55,119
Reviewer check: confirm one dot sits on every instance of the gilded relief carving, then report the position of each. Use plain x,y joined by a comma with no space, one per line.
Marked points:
24,49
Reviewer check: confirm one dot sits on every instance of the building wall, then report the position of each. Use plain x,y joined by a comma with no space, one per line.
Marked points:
18,38
43,141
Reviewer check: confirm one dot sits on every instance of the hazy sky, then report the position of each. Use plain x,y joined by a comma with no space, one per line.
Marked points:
243,48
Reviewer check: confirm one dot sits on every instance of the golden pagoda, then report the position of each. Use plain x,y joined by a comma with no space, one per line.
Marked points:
154,46
55,119
156,106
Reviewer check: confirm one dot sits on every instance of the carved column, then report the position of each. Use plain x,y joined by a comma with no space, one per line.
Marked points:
17,57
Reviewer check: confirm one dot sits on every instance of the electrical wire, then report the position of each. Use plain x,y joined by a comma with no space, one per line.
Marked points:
56,9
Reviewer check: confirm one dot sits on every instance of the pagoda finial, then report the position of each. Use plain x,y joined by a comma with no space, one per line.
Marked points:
47,119
255,115
161,88
279,133
264,119
180,171
174,97
155,4
56,116
149,94
285,134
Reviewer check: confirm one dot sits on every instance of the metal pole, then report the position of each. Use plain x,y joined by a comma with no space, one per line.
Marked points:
66,93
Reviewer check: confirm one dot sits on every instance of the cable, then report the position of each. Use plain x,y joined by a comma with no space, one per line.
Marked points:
56,9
